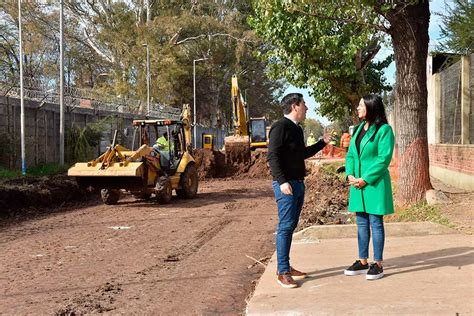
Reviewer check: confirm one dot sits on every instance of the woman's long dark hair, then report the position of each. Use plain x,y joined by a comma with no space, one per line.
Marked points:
375,111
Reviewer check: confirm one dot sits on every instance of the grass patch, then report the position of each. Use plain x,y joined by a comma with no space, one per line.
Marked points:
420,212
9,174
43,170
331,168
47,169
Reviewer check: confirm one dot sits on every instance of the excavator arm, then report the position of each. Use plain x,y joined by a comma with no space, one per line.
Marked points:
186,118
239,110
237,146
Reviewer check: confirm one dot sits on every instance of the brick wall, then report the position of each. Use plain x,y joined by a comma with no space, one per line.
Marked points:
453,157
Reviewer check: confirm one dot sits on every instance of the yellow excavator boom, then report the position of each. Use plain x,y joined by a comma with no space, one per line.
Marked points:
237,146
239,108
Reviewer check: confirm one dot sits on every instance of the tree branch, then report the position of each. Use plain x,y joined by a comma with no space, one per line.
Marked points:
370,55
110,59
194,38
325,17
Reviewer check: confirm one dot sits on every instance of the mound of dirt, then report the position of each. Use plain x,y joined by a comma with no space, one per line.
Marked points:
326,200
257,169
212,164
37,192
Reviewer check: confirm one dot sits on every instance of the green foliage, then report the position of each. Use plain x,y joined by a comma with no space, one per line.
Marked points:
81,142
41,170
313,126
9,174
331,168
420,212
313,45
341,124
457,27
47,169
104,51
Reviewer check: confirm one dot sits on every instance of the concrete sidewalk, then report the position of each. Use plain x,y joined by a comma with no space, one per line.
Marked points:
429,270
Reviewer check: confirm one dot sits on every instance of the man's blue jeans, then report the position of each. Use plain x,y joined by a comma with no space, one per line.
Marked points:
365,222
289,209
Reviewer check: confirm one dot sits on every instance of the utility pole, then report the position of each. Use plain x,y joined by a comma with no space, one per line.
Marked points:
148,18
61,83
22,103
147,79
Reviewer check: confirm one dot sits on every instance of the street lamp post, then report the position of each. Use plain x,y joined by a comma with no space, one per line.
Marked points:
194,97
147,79
22,102
61,84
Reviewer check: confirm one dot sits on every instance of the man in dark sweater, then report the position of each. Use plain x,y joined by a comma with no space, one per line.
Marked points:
286,155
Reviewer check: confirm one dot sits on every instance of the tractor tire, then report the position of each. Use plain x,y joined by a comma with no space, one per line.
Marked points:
110,196
189,183
164,190
142,196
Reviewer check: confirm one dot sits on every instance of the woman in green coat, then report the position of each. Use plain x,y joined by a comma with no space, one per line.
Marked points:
367,160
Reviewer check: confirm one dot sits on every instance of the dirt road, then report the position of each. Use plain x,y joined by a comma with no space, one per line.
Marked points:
138,257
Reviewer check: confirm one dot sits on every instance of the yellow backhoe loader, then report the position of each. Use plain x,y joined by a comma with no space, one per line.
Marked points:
151,169
248,133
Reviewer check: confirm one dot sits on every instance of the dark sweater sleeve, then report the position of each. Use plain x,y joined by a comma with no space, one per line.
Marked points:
275,148
313,149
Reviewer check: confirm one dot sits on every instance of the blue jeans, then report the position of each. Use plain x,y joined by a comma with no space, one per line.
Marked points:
289,209
365,222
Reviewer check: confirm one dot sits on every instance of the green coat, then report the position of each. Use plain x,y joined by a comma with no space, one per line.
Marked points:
372,166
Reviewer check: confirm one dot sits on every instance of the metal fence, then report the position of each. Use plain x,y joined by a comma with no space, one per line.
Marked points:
83,107
86,98
471,91
451,104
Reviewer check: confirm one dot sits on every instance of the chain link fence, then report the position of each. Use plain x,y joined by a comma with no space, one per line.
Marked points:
471,91
451,104
451,88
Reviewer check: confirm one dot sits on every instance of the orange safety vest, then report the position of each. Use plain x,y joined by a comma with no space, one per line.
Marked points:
345,140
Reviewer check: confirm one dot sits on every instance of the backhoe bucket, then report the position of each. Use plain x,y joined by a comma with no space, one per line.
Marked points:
237,149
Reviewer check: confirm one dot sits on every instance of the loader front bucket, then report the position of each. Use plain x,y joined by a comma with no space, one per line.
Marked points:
131,176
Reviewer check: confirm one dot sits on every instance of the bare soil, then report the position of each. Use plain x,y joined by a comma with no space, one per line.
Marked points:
326,201
213,164
460,210
137,257
66,253
70,254
35,194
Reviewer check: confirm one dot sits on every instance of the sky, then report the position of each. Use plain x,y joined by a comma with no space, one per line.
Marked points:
434,33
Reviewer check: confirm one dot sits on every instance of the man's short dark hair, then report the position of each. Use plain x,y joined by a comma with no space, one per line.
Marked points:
290,99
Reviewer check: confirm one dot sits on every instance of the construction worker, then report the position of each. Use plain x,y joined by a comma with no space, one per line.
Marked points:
345,140
311,139
163,143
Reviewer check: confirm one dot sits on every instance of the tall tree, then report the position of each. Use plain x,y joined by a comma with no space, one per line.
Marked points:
310,49
313,126
349,28
457,28
104,51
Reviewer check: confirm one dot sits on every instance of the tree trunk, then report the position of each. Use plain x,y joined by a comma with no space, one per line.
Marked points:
409,32
354,114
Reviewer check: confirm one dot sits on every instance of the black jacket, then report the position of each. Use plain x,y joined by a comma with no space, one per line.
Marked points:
287,151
